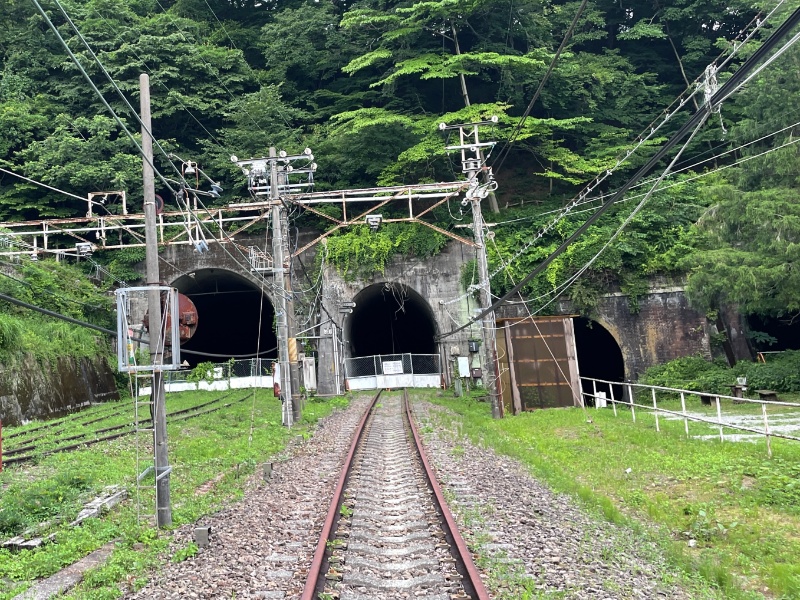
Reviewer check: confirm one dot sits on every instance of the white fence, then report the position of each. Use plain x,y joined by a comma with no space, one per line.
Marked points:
393,371
240,374
633,393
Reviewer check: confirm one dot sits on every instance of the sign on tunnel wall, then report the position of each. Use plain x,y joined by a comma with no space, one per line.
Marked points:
538,363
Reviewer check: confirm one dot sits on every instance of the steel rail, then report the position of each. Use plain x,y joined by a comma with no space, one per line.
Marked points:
97,440
473,585
315,572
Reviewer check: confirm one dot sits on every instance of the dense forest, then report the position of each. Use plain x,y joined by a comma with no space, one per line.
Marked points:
366,83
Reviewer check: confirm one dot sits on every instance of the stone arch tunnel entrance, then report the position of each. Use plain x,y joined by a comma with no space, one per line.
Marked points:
229,309
390,318
599,356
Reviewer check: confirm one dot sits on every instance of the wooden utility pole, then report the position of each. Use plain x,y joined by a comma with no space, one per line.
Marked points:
157,338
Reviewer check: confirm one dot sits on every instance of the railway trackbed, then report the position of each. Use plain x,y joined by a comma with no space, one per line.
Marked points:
29,450
389,533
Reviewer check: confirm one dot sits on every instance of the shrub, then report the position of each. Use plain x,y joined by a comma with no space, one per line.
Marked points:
781,374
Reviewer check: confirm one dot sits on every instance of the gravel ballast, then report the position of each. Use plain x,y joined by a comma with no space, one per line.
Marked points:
530,538
527,538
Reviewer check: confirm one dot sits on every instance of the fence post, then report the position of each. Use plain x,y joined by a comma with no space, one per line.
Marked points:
719,418
613,402
594,392
630,401
683,409
766,429
655,408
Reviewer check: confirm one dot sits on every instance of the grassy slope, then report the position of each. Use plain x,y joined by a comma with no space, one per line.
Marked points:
213,449
742,508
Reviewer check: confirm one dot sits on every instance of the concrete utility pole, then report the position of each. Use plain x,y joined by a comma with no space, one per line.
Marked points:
159,412
472,166
266,177
279,274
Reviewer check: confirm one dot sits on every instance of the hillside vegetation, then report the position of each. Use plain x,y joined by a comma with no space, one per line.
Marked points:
364,84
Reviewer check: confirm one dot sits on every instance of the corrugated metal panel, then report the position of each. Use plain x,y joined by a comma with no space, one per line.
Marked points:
538,363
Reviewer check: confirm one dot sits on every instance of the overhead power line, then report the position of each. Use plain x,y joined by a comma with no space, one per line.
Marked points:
99,94
737,79
44,185
567,36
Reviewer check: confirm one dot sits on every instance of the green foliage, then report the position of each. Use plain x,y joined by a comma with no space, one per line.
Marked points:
702,522
778,482
56,486
24,506
361,252
188,551
687,488
204,371
781,374
61,288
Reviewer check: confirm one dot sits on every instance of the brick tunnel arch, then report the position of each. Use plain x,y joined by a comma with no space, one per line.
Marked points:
599,355
229,310
390,318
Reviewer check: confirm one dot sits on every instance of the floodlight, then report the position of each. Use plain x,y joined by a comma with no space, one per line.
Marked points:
442,126
234,158
374,221
494,119
307,151
282,153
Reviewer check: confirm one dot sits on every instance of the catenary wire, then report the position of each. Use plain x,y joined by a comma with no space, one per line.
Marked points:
725,91
567,36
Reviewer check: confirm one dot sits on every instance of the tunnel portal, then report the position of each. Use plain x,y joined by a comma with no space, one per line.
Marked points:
228,311
599,355
390,318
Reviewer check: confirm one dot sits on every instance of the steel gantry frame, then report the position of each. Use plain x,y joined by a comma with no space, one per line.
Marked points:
113,232
377,197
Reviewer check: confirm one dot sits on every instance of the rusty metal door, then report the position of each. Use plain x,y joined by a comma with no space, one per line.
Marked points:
538,363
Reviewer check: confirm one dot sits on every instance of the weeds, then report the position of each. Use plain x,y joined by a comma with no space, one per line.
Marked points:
740,508
56,487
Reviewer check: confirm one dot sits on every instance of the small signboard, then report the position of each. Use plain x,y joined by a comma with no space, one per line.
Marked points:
463,366
392,367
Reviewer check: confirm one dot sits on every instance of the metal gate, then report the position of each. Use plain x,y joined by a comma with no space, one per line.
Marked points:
393,371
538,363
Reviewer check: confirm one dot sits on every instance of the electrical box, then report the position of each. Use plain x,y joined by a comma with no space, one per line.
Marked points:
473,346
463,366
476,372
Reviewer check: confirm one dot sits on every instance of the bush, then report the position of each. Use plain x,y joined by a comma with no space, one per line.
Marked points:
690,372
781,374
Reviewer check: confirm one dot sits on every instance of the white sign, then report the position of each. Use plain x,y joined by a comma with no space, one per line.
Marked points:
310,373
463,366
393,367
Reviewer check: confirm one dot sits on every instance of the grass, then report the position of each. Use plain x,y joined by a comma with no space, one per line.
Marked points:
213,452
741,509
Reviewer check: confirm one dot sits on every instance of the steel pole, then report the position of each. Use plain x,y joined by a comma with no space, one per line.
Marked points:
163,505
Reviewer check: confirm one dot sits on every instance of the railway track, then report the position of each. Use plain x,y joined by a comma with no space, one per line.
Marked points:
389,533
28,452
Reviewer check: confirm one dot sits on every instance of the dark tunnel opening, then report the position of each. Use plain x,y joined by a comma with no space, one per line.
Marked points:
390,318
228,311
774,335
599,357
